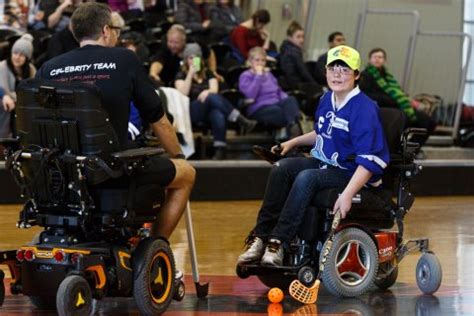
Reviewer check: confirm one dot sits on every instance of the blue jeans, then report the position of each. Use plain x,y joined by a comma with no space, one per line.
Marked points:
291,186
280,114
214,112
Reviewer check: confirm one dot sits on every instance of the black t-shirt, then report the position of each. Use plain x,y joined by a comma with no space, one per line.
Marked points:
196,87
61,42
119,76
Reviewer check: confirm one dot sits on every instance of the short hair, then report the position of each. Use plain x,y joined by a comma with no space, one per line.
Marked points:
261,16
177,28
333,35
89,19
378,50
293,28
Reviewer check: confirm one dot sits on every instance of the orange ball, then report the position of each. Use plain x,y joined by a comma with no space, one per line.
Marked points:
275,295
275,309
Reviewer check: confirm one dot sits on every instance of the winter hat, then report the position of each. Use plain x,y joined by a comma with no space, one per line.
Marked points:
192,49
24,45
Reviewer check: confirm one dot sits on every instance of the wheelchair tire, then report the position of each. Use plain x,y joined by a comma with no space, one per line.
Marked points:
43,302
307,276
153,274
2,287
180,291
352,263
74,297
428,273
386,282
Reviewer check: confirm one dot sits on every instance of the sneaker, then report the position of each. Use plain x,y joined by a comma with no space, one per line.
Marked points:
178,275
273,255
253,250
246,125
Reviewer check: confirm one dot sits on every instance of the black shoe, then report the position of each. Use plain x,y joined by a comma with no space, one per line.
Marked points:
246,125
220,153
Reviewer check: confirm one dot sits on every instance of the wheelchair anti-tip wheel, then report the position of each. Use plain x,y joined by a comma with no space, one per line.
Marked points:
351,264
180,291
307,276
428,273
2,287
387,281
74,297
153,274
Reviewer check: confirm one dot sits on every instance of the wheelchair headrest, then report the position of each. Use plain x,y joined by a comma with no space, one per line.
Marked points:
393,122
63,116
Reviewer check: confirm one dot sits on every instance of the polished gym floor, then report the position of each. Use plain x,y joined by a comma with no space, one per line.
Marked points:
220,229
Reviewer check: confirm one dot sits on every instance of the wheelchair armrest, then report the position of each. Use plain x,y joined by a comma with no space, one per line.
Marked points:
138,153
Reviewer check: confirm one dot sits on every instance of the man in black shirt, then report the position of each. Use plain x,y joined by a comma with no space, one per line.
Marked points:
121,79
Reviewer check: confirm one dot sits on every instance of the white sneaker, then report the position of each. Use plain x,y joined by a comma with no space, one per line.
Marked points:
253,250
273,255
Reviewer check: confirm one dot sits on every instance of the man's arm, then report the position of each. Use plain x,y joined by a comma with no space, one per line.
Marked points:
167,136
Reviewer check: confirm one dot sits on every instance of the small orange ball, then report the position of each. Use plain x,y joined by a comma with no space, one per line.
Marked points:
275,295
275,309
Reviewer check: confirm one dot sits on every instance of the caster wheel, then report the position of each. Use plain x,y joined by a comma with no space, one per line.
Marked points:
241,272
307,276
352,264
74,297
428,273
2,287
153,274
180,291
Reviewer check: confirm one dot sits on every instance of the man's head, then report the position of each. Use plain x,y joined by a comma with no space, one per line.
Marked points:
176,39
92,21
295,34
377,57
336,39
260,18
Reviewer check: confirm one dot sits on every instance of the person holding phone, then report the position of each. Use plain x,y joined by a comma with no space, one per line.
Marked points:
207,106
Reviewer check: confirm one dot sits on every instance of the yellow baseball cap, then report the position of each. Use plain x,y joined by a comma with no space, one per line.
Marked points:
345,53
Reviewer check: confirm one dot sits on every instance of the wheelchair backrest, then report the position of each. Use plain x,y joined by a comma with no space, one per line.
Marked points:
393,122
64,116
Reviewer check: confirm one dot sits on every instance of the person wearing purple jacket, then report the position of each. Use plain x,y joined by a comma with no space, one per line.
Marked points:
271,107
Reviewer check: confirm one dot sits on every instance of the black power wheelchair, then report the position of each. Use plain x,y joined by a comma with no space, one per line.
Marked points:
81,189
365,251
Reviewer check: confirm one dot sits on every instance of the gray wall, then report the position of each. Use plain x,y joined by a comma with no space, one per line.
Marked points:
437,62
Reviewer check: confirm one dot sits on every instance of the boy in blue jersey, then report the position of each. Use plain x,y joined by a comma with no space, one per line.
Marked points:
350,152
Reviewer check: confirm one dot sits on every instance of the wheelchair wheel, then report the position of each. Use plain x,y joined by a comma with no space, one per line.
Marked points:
307,276
352,263
2,287
153,274
387,281
74,297
428,273
43,302
180,291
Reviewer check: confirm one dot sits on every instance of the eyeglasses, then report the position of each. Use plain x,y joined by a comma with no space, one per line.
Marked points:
340,69
116,28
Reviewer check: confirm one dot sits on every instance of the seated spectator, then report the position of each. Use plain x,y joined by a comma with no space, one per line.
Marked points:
12,70
57,13
380,85
252,33
166,63
13,17
61,42
334,39
193,15
135,42
225,16
271,106
291,58
207,106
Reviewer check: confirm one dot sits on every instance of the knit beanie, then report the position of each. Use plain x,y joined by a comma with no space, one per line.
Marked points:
192,49
24,45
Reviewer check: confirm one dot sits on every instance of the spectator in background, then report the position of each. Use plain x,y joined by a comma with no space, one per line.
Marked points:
291,58
207,106
12,70
380,85
61,42
225,16
334,39
13,18
193,15
135,42
166,63
57,13
252,33
271,106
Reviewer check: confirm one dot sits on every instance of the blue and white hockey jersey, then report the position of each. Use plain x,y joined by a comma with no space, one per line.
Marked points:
354,130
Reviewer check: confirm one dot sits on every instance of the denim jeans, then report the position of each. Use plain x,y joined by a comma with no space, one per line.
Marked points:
214,112
290,189
280,114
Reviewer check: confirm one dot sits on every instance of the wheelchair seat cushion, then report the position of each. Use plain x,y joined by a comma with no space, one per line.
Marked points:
374,209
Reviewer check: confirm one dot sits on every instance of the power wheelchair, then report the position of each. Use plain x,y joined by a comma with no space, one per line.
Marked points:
82,190
365,252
